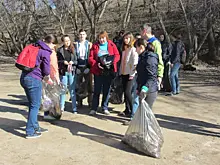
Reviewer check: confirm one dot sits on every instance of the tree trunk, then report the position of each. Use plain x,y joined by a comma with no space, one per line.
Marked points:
93,33
103,10
211,40
126,17
161,21
75,14
188,27
169,6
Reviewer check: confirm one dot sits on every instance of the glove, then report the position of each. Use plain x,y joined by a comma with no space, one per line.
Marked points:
78,71
86,71
143,93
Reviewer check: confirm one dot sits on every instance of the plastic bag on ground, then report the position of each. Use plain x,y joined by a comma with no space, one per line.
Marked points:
144,133
51,99
116,96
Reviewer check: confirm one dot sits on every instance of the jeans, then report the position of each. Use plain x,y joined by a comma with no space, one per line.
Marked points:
135,103
174,78
135,97
102,84
69,80
33,90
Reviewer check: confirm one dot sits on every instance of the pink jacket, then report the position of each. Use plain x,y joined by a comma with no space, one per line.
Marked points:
54,73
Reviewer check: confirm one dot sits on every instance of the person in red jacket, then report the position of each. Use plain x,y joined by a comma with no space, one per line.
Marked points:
103,60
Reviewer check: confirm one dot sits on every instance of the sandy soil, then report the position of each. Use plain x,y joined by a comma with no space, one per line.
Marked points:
189,121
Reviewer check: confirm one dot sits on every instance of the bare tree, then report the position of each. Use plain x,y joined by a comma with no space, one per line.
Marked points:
17,24
93,15
160,18
194,47
127,14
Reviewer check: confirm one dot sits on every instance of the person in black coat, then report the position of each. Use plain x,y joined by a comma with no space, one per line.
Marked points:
147,71
67,62
177,52
166,55
147,85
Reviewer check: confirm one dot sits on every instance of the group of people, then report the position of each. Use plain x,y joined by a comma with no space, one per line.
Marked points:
138,60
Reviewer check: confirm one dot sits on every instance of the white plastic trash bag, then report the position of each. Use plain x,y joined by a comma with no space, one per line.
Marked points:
144,133
51,99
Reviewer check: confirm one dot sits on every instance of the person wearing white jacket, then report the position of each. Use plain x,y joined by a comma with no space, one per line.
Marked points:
128,65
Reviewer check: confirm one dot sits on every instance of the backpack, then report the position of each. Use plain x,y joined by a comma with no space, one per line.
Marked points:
26,60
183,57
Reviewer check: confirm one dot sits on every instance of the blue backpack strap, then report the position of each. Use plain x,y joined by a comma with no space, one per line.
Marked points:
87,48
151,40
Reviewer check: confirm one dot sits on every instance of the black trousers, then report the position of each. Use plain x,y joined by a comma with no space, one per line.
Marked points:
127,88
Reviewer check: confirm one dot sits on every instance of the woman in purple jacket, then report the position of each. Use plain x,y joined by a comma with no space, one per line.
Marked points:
31,82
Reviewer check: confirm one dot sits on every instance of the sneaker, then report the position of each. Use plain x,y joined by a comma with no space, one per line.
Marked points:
170,94
75,113
126,123
48,117
106,112
92,112
35,135
124,114
41,130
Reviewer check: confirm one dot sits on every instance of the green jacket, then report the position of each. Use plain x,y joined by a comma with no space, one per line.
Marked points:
158,50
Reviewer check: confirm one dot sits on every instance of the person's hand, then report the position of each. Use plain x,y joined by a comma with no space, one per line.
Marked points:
171,65
131,77
86,71
143,93
71,63
46,78
66,62
78,71
58,82
50,81
159,80
100,67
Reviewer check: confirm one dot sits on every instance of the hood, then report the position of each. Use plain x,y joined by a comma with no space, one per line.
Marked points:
43,46
148,53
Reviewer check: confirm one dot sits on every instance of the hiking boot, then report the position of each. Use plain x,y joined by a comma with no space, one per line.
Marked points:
33,136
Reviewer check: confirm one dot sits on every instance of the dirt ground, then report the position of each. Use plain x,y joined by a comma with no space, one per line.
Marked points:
190,123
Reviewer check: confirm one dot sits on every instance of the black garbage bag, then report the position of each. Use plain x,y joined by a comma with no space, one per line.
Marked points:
106,62
116,91
166,78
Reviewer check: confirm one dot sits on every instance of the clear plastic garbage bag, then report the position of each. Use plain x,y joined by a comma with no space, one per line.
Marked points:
51,99
144,133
